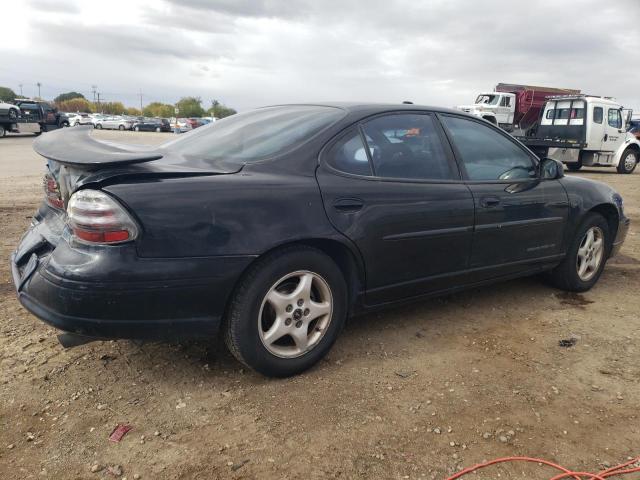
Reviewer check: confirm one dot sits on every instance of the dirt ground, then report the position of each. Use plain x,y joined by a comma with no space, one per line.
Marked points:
415,392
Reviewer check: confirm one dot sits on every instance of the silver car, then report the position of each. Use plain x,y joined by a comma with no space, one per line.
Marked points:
113,123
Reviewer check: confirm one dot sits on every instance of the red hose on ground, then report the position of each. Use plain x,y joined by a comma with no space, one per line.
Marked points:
566,473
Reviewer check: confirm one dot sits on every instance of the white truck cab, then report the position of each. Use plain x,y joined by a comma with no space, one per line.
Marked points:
495,107
582,130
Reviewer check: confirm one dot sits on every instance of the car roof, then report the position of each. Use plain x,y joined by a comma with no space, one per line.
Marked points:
358,107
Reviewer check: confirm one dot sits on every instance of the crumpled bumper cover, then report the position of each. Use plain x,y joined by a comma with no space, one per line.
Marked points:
110,292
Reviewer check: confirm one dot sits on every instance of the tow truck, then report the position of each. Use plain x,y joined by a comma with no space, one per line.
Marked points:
31,116
586,130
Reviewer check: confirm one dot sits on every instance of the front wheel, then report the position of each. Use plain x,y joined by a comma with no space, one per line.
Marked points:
628,161
287,312
99,126
136,128
586,257
121,127
157,129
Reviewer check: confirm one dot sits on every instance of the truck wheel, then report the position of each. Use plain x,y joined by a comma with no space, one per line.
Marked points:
628,161
287,311
491,120
586,256
574,167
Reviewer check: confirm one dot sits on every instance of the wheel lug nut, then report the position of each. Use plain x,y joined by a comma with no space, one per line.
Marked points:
300,302
306,312
298,323
289,308
287,322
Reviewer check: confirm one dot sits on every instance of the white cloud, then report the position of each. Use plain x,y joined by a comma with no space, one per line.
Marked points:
250,53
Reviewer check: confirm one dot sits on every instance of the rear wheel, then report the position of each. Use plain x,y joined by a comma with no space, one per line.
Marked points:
120,127
586,257
157,129
287,312
628,161
99,126
136,128
574,167
2,131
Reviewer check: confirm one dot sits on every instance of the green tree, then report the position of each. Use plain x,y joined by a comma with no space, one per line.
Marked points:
6,94
218,110
158,109
134,112
190,107
75,105
112,108
67,96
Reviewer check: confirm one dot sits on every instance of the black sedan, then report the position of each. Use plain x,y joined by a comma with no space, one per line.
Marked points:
152,125
275,225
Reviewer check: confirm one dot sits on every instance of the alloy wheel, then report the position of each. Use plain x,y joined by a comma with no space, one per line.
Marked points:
629,161
295,314
590,253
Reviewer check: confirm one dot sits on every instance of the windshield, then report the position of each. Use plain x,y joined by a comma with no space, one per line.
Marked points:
488,99
257,134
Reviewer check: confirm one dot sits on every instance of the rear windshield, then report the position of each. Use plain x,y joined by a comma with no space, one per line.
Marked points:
255,135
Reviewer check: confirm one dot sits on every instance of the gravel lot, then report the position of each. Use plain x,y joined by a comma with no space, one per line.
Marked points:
415,392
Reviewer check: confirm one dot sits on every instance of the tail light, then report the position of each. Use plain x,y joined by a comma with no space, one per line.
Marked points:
95,217
52,192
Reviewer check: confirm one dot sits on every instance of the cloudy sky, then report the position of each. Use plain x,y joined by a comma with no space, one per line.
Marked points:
248,53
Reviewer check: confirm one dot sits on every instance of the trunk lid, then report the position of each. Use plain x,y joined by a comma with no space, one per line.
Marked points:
76,159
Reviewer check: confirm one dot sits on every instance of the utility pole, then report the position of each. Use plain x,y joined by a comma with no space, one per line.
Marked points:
94,88
98,93
20,85
140,99
39,85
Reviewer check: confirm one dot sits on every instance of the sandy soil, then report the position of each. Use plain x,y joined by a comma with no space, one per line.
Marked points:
415,392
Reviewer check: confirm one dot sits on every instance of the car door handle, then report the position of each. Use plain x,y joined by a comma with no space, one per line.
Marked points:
348,204
489,202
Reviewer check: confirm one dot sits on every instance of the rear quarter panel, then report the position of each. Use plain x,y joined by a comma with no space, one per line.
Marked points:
245,213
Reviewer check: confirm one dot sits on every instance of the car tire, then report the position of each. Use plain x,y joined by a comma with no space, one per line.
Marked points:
120,127
628,161
99,126
136,128
304,282
158,129
76,124
567,276
3,131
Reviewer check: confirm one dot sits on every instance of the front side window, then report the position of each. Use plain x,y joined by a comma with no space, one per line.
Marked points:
348,155
597,114
407,146
486,153
614,118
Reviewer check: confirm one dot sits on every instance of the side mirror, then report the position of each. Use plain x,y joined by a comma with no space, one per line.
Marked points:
551,169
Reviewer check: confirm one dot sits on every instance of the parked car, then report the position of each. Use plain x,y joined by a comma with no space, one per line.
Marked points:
274,225
76,119
10,110
152,125
113,123
183,124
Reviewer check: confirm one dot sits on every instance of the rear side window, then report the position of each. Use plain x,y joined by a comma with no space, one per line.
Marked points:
257,134
487,154
597,114
614,118
348,155
407,146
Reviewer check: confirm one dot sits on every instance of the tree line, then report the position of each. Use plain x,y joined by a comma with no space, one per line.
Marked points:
187,106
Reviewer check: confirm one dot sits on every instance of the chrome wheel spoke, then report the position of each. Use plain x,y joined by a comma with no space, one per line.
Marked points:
276,332
318,310
278,300
300,338
590,253
303,290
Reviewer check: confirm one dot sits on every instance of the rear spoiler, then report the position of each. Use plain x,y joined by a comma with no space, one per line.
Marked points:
75,146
